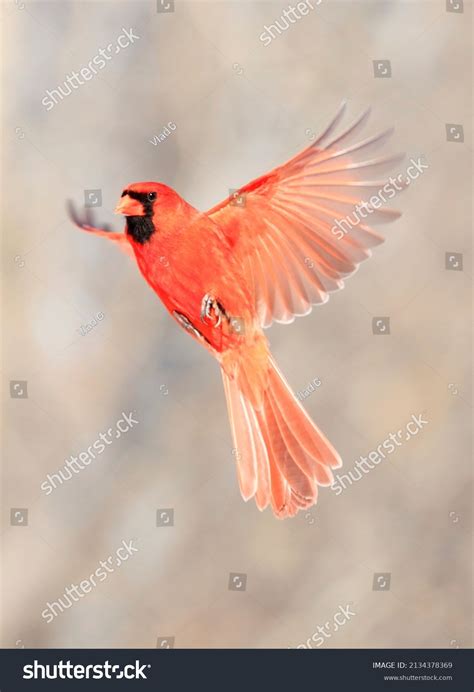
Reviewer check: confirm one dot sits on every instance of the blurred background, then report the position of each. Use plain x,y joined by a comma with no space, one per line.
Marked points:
85,341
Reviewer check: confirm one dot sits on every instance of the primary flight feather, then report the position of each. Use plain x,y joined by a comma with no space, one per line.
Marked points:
268,253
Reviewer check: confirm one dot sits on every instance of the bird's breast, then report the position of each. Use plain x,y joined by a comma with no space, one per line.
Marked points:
183,273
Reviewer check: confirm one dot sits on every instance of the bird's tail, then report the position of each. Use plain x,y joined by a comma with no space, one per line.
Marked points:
281,455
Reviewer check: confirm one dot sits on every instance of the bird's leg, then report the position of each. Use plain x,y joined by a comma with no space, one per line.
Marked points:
210,307
188,326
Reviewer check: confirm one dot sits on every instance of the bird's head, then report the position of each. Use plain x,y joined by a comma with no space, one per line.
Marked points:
142,204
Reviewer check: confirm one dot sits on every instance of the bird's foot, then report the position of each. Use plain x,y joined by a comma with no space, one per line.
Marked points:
212,310
188,326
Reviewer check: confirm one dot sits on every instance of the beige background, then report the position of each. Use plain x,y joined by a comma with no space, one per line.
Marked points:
240,108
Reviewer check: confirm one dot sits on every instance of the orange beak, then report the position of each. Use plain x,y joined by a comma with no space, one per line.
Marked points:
129,207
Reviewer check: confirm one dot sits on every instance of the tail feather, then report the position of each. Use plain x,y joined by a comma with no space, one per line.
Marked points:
308,463
314,443
244,432
281,454
263,492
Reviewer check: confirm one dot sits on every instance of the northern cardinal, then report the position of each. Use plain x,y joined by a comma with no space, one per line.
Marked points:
265,254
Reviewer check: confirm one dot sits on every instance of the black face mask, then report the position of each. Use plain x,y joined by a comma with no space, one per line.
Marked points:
141,228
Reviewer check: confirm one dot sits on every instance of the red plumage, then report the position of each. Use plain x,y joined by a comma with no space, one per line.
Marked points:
268,256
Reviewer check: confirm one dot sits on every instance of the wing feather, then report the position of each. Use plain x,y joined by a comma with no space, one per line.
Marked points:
288,234
86,223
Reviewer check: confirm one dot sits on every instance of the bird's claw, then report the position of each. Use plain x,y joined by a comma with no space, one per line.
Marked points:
211,309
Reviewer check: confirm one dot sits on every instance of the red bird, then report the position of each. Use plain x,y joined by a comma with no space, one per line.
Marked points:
268,253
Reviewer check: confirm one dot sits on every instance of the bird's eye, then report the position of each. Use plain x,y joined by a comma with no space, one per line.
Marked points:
151,196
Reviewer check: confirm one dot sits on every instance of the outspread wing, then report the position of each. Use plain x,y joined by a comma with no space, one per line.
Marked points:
296,230
86,223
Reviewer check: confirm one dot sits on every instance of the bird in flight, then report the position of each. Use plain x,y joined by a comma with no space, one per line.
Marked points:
266,254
